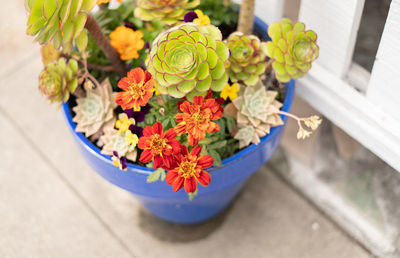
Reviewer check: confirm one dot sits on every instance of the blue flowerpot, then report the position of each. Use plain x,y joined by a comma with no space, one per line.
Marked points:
160,199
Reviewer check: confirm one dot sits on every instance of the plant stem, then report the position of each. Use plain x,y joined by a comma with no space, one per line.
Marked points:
104,44
246,17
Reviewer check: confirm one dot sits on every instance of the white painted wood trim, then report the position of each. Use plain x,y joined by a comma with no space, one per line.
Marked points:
268,10
349,109
336,23
384,87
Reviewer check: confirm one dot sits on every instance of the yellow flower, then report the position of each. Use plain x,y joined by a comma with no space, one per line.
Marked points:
202,18
131,139
123,123
230,91
127,42
106,1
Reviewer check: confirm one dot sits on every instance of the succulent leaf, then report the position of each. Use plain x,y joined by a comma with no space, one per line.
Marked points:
247,60
60,22
292,49
256,108
188,60
170,11
95,109
57,80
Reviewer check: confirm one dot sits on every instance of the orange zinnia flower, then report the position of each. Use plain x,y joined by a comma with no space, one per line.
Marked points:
159,146
190,170
196,118
138,88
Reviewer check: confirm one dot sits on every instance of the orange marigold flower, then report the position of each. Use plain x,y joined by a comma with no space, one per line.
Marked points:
196,118
159,146
190,170
138,88
127,42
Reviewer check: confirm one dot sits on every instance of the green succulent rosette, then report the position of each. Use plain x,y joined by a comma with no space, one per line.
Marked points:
170,11
292,49
247,61
59,21
188,60
58,79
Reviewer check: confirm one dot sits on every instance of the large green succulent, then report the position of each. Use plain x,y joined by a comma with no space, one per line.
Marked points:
247,60
292,49
188,60
170,11
58,79
59,21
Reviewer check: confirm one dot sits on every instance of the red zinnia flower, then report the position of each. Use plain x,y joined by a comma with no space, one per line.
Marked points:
159,146
190,170
138,88
196,118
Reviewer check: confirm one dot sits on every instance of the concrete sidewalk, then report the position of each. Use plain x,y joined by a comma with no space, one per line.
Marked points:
53,205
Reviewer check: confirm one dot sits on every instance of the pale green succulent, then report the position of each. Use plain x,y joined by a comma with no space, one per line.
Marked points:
95,109
59,21
247,61
256,108
170,11
58,79
112,140
246,135
188,60
292,49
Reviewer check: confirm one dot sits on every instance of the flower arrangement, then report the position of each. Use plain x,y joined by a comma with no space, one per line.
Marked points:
154,83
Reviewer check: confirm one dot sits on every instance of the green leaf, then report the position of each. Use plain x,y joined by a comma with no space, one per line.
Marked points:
217,145
216,157
192,195
155,176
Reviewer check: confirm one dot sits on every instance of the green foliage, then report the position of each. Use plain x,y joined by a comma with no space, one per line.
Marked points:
163,110
158,174
220,145
192,195
219,13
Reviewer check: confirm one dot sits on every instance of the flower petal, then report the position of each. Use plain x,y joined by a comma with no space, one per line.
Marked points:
190,185
204,179
136,74
196,151
205,161
157,128
146,156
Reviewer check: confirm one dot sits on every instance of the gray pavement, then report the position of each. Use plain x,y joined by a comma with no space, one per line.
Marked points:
53,205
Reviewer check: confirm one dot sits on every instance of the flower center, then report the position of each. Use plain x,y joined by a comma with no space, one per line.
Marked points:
137,90
157,143
198,118
187,169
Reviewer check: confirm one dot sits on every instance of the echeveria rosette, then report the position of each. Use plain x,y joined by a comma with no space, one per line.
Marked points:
95,110
257,112
247,61
59,21
170,11
188,60
292,49
58,79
